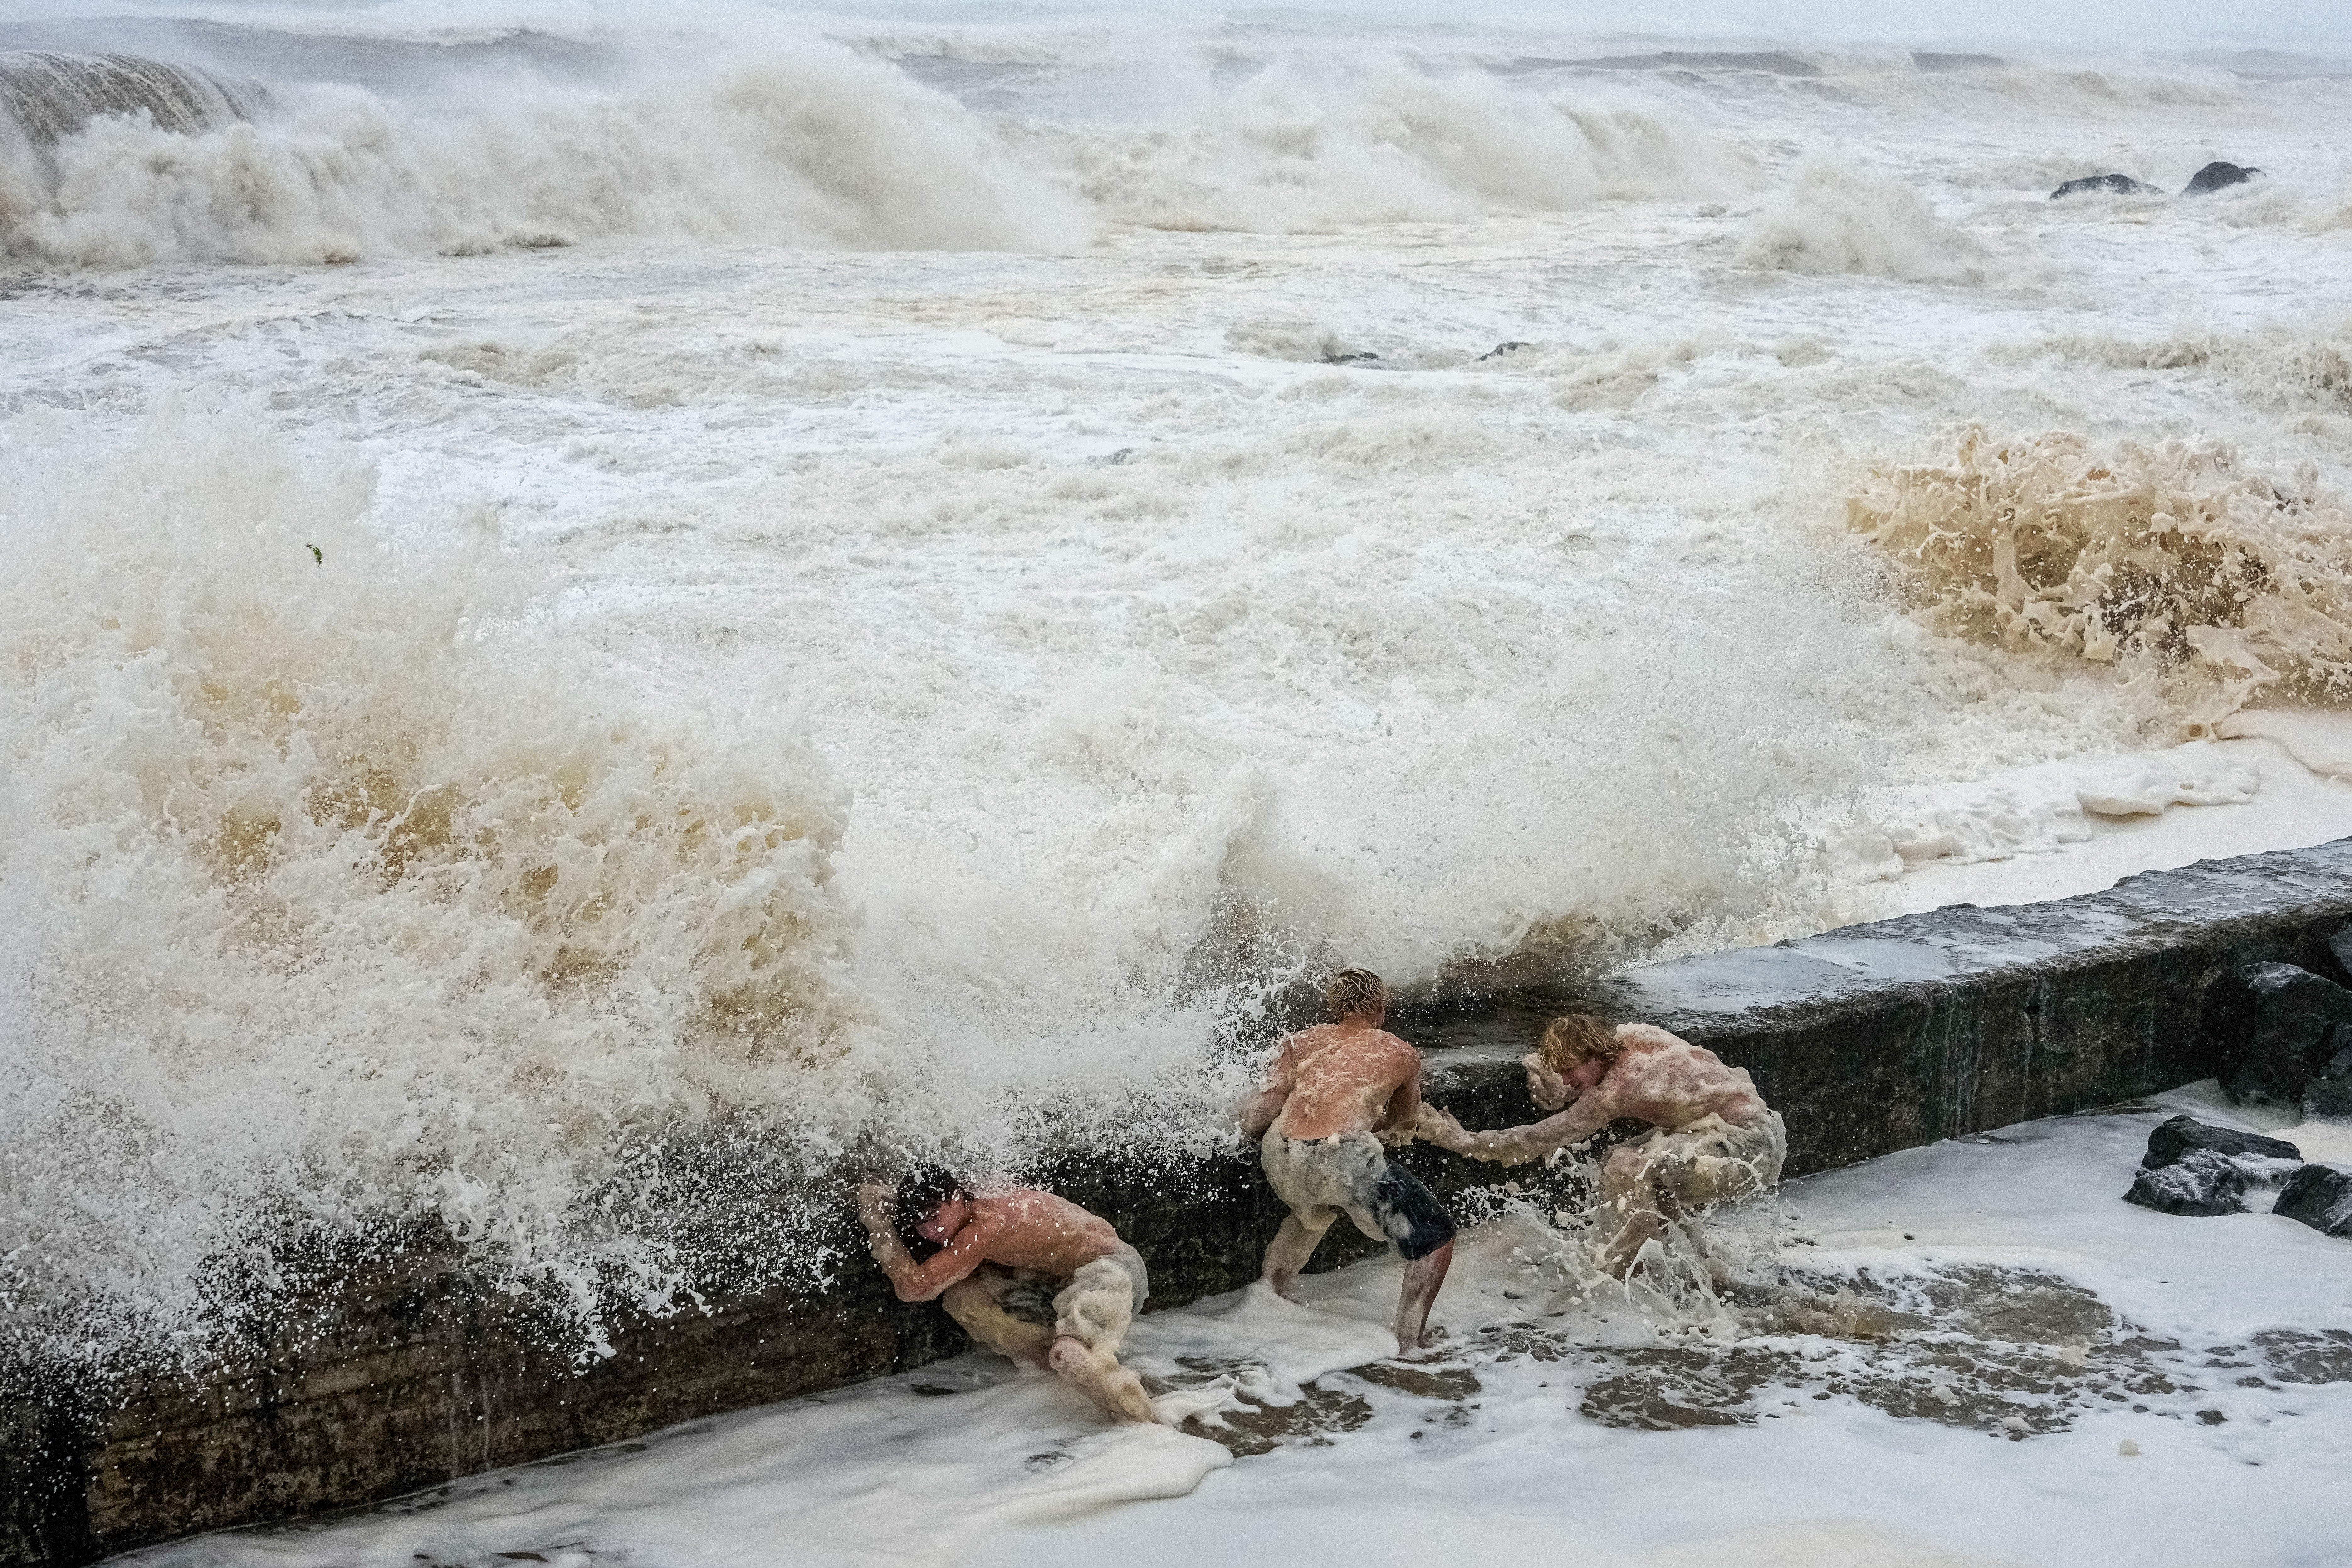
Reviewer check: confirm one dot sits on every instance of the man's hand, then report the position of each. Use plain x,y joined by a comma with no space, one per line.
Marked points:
1440,1128
874,1202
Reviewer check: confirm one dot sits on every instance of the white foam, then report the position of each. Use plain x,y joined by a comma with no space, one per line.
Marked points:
1838,218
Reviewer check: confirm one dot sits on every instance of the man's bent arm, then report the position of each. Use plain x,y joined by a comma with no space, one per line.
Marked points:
920,1281
1258,1112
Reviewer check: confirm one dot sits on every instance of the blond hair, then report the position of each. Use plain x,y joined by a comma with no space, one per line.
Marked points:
1354,992
1575,1037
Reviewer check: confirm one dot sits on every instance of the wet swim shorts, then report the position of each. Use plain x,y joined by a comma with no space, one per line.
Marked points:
1711,1159
1095,1305
1350,1172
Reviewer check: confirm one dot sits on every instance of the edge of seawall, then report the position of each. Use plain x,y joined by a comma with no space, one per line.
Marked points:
1869,1040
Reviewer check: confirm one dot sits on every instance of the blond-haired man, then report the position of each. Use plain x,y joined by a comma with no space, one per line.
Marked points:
1716,1138
1338,1093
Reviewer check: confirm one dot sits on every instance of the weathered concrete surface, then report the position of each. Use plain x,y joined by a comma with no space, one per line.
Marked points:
1869,1040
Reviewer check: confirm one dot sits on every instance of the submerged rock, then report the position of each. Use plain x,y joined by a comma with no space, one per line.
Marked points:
2321,1197
2277,1027
2218,176
2177,1139
2119,185
2200,1182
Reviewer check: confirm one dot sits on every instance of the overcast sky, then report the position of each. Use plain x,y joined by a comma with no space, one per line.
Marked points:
2321,25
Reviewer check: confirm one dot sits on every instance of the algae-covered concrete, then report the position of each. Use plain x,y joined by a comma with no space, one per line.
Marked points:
1869,1040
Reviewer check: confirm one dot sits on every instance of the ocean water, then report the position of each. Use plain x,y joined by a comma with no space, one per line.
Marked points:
607,608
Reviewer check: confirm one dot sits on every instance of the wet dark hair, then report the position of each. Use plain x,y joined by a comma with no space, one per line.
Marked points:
920,1197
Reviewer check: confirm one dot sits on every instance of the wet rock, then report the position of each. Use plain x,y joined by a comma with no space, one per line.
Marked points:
2200,1183
2218,176
2340,944
2275,1027
2329,1096
2177,1139
2321,1197
1499,350
2118,185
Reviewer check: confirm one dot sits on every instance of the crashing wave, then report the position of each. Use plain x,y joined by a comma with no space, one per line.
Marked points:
328,918
2169,559
809,145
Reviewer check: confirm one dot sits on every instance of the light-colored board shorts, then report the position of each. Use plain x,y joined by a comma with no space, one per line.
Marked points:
1712,1160
1094,1306
1350,1172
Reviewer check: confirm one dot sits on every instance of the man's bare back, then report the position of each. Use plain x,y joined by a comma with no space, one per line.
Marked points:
1654,1077
1337,1094
1334,1078
1017,1228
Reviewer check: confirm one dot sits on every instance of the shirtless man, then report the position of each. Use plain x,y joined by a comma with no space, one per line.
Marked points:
1716,1138
1029,1275
1338,1092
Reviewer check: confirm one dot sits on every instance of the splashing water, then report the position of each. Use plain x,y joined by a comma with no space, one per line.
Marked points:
2168,559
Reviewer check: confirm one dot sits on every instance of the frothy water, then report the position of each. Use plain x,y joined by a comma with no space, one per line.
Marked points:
803,596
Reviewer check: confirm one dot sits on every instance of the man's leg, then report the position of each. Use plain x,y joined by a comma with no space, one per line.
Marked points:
1628,1191
1423,1276
1090,1319
970,1303
1116,1392
1409,1216
1293,1244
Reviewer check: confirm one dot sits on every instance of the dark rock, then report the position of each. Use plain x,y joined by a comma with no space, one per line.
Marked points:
2200,1182
2330,1094
2273,1026
2119,185
1499,350
2218,176
2177,1139
2340,944
2321,1197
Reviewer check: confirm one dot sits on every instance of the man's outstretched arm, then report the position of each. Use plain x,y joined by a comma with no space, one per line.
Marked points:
1265,1103
1517,1145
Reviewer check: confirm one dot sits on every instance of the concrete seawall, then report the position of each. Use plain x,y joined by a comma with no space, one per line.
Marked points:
1869,1040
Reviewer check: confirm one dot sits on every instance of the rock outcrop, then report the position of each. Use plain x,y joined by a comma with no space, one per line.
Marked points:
2193,1167
2114,185
2218,176
2275,1027
2321,1197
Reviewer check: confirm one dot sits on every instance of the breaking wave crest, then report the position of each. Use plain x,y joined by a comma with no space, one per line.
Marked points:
46,97
2170,560
809,145
1293,149
325,919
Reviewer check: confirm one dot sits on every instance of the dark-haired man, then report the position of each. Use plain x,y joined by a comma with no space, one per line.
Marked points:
1338,1094
1029,1275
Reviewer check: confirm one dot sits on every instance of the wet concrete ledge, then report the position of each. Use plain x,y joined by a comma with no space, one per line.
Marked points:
1869,1040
